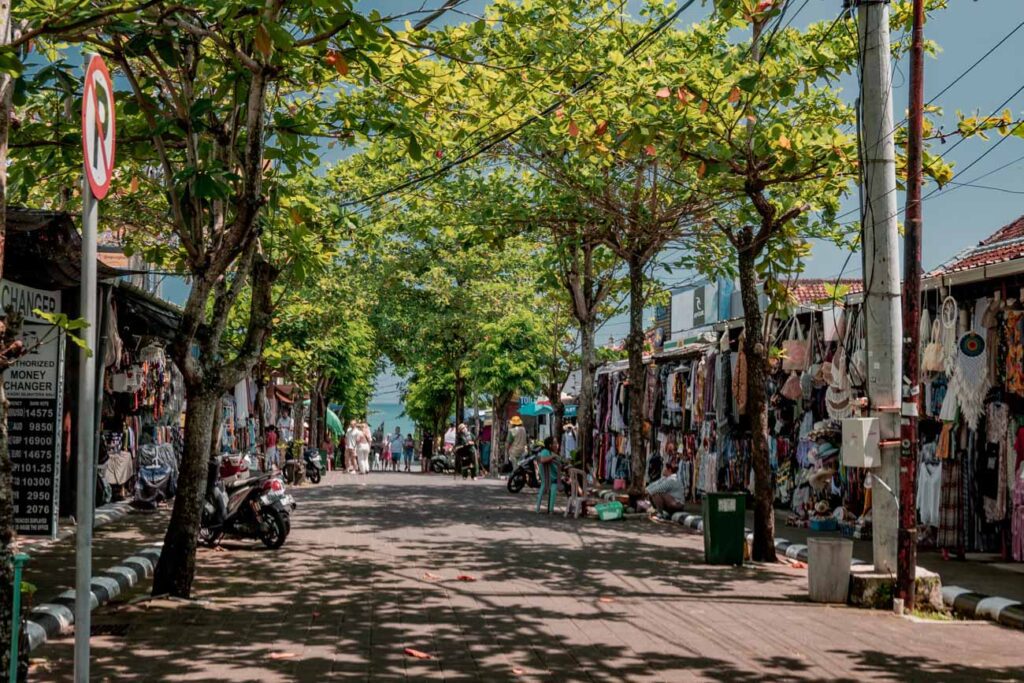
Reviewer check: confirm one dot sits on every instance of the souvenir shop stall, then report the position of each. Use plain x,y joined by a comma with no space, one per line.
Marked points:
238,424
691,415
971,472
143,398
814,380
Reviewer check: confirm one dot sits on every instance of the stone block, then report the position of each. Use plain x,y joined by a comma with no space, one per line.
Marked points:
875,590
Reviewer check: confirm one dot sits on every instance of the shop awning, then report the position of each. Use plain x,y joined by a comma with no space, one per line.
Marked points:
44,250
535,409
145,314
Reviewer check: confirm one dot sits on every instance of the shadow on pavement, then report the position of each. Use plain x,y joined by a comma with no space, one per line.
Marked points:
371,567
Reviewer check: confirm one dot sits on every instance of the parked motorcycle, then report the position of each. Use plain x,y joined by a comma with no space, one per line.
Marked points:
315,466
524,473
243,510
274,489
442,462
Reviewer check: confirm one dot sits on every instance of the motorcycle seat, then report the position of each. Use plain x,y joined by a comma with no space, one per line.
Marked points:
243,483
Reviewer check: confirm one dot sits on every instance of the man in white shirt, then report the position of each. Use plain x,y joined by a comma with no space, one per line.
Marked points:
350,447
285,427
667,494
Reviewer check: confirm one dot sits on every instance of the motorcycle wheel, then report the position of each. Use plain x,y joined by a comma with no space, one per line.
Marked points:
314,475
274,534
210,537
436,467
287,522
516,482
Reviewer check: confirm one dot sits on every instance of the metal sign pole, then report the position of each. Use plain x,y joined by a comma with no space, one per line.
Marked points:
86,436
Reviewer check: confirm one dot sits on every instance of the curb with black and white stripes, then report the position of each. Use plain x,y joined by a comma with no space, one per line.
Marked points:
961,600
48,620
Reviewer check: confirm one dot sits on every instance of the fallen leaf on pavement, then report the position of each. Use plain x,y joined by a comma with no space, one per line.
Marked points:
518,672
430,576
465,577
417,654
606,599
281,655
797,565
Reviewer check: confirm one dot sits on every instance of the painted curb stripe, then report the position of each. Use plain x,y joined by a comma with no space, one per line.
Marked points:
1012,616
991,607
49,620
951,593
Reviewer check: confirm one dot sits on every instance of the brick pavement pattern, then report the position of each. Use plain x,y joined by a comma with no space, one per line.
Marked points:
371,569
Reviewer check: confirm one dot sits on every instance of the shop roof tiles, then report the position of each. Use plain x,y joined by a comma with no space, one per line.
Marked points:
810,291
1005,244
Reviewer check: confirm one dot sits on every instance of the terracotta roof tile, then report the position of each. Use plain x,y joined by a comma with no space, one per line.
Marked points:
808,290
1005,244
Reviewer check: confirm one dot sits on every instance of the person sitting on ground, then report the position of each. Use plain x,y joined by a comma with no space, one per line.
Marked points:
667,494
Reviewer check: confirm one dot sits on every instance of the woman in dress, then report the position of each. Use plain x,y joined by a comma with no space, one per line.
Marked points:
363,438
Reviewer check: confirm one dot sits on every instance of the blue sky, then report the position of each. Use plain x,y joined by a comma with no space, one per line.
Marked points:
953,219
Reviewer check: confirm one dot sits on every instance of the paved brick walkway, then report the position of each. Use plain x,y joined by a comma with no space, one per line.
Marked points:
371,569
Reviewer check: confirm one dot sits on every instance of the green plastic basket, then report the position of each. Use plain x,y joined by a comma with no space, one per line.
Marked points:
609,511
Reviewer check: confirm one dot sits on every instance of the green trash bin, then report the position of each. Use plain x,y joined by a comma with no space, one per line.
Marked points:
724,528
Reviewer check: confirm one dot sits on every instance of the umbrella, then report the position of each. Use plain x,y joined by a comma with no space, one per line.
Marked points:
334,422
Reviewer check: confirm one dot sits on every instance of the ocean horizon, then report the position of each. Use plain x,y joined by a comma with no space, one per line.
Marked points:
390,415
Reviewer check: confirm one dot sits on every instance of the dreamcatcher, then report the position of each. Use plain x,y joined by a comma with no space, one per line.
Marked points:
949,314
971,375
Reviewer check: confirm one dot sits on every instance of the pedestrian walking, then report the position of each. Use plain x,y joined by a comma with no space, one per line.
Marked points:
350,447
426,450
273,455
465,452
548,459
408,448
363,438
516,441
449,439
396,448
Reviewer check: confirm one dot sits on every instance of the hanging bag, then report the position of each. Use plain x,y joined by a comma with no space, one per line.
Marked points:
739,379
791,389
934,357
857,367
795,349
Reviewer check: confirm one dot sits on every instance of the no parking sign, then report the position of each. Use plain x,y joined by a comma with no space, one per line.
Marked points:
98,127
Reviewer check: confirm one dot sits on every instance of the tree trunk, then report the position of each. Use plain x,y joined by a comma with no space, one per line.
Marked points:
260,406
558,417
585,400
314,415
756,350
637,376
7,545
460,397
176,568
299,418
499,452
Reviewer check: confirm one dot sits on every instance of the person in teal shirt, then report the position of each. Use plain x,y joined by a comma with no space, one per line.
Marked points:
548,461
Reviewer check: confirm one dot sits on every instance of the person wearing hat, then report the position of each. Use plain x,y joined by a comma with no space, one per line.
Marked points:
517,441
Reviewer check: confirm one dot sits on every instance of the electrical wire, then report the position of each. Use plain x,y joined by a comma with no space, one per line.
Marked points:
497,139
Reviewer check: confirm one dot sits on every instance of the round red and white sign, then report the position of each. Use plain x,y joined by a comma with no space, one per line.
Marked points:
98,127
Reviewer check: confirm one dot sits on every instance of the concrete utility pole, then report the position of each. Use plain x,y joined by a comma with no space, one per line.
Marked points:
907,556
883,324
